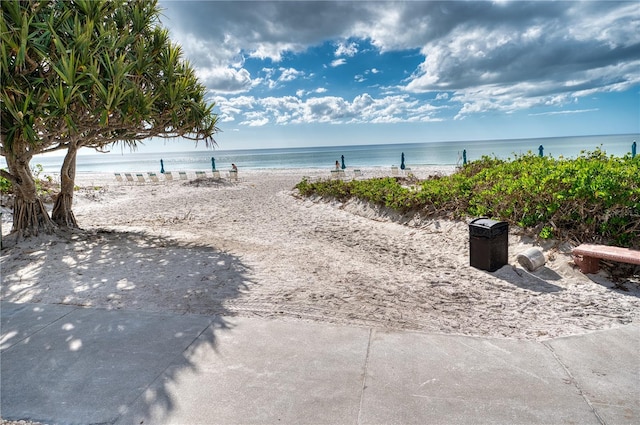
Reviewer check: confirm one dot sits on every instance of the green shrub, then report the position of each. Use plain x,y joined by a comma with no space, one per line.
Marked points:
593,198
5,186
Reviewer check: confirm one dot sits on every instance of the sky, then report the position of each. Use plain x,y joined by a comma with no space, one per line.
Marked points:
307,73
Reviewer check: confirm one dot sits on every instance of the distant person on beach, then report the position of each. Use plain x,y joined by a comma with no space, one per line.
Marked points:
233,167
337,165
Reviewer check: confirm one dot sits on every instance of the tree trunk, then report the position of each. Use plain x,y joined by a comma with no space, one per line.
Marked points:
62,213
30,216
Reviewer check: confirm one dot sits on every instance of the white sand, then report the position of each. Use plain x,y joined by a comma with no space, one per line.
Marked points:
253,248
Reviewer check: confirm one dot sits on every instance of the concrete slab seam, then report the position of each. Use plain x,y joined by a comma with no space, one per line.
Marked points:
160,375
487,354
43,327
364,374
575,383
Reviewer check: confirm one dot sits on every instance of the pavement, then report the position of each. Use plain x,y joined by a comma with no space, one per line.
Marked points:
69,365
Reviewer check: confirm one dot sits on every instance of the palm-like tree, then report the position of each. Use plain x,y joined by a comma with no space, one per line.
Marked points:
88,74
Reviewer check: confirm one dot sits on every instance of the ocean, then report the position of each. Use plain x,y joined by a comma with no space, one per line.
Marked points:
416,154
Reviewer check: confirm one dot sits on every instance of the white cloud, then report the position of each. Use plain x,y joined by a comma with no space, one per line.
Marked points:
568,112
289,74
349,50
338,62
319,90
257,122
363,108
504,68
486,56
225,80
255,119
286,75
273,51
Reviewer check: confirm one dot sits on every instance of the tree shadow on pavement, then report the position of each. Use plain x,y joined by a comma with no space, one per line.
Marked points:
152,301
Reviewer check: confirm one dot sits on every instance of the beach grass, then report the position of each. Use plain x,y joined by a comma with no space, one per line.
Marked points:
592,198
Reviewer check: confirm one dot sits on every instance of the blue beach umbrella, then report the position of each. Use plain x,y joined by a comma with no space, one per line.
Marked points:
213,163
343,166
633,149
402,161
464,157
541,151
161,167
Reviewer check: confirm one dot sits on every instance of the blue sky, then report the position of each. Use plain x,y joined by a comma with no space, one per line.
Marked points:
334,73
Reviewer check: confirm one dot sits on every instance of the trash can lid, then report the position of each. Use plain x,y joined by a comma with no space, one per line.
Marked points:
488,223
486,227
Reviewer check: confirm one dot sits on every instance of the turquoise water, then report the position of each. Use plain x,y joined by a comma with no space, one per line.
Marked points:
435,153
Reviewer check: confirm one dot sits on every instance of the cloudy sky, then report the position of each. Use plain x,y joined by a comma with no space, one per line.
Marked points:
309,73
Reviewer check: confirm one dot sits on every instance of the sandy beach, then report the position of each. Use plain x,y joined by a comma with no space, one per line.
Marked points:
255,248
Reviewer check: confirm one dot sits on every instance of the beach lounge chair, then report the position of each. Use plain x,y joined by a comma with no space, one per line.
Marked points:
129,177
216,174
168,176
357,172
233,175
140,178
394,170
183,175
153,177
118,177
337,174
201,175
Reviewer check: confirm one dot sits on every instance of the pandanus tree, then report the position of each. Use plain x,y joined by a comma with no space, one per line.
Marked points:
88,73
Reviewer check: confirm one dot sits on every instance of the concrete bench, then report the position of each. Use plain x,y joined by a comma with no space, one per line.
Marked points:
587,257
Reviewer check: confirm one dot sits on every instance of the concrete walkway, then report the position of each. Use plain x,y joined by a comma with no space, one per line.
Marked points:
67,365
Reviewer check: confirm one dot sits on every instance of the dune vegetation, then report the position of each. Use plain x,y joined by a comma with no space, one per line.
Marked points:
593,198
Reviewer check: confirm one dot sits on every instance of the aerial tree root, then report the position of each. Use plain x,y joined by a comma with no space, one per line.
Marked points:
31,218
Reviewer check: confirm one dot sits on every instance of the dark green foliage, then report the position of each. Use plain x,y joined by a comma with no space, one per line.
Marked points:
593,198
5,185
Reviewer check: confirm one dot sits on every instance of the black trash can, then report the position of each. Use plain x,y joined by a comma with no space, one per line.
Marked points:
488,244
